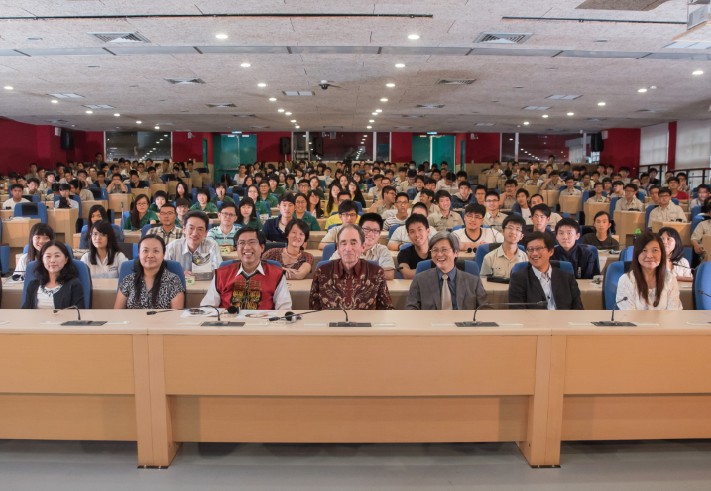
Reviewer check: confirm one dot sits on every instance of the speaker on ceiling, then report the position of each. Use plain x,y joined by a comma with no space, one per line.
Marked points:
285,145
597,144
318,145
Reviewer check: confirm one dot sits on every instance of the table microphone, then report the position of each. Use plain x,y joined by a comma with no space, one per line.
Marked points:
348,323
292,316
219,322
612,322
230,310
475,323
79,322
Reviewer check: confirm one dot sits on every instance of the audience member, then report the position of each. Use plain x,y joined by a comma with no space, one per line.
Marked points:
401,237
473,234
297,263
630,201
676,263
224,233
203,202
418,231
104,257
274,228
56,284
372,224
444,219
601,237
666,211
167,228
567,233
196,253
40,234
500,260
348,213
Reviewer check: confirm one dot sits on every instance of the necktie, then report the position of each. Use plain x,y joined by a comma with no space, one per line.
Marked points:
446,298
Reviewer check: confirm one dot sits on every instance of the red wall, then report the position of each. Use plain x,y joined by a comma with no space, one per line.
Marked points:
401,147
185,148
671,151
269,145
622,148
22,144
485,148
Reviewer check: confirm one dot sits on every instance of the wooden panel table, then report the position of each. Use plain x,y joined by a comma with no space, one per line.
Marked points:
591,210
406,379
626,223
75,383
120,202
63,221
684,229
651,381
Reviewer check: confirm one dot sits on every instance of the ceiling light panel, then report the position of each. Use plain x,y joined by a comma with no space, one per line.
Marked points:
64,51
264,50
152,50
66,95
98,106
334,50
563,97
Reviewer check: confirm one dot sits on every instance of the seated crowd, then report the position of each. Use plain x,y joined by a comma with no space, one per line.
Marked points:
376,222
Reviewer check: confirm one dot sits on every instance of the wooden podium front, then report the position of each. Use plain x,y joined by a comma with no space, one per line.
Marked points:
63,221
120,202
570,204
626,223
684,229
591,210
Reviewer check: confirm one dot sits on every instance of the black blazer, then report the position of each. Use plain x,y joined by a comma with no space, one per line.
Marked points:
71,293
525,287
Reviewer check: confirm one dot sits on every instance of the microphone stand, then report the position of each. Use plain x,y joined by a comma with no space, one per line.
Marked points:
219,322
475,323
348,323
79,322
612,322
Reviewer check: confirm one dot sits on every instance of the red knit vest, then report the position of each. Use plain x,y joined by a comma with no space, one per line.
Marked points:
257,293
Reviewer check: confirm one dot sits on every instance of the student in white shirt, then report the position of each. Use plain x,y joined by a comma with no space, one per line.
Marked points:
104,258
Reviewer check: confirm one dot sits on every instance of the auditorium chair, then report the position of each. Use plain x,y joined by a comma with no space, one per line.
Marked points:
84,278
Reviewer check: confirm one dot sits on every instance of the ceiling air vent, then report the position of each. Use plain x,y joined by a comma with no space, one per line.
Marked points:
98,106
119,37
461,81
221,105
503,37
298,93
429,106
413,116
185,81
66,95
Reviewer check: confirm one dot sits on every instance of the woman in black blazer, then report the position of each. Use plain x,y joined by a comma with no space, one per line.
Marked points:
56,284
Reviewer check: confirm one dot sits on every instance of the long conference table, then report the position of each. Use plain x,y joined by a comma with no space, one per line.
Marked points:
104,293
537,379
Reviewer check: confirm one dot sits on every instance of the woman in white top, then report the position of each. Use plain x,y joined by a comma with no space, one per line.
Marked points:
104,258
648,285
677,264
40,234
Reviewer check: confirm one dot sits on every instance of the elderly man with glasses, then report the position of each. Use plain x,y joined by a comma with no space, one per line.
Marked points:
372,225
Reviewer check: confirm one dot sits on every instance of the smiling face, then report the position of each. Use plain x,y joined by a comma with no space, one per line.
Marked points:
419,234
150,254
669,243
195,232
443,256
38,241
249,250
538,254
296,237
54,260
350,247
651,257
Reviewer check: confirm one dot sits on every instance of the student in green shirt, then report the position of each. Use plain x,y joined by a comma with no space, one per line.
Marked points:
203,202
159,199
247,214
220,194
261,207
300,212
140,215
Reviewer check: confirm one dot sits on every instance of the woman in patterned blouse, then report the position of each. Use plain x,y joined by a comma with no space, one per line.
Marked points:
150,285
295,261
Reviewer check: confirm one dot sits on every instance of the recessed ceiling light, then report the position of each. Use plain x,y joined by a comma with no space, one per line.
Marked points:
368,127
117,114
390,85
601,103
642,90
413,37
156,127
280,110
245,65
54,101
570,114
544,116
8,87
378,110
272,99
383,99
371,121
697,72
287,113
89,111
526,123
297,126
139,122
221,35
399,65
261,84
374,114
293,121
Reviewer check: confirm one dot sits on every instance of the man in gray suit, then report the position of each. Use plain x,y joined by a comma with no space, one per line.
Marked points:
444,287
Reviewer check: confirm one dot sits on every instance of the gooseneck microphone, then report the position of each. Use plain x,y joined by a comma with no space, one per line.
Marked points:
348,323
219,322
292,316
475,323
78,322
612,322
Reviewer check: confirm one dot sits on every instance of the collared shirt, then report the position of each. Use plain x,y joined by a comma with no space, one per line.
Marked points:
583,261
495,222
507,201
168,237
391,219
378,253
571,192
9,204
486,236
102,269
207,251
362,288
545,280
671,213
443,224
281,297
497,264
452,282
623,205
223,239
597,199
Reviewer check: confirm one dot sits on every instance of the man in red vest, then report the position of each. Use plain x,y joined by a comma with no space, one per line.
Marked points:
249,283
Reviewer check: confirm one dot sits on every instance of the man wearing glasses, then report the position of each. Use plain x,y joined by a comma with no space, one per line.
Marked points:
444,219
399,215
499,262
444,287
493,218
567,232
473,235
167,230
249,284
348,213
372,225
224,235
197,254
541,281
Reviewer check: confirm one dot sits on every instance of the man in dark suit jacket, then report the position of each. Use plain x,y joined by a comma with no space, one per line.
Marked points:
466,290
541,281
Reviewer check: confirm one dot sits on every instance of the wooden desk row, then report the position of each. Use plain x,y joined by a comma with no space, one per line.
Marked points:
412,377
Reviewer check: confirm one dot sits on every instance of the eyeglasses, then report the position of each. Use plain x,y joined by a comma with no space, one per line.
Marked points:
349,215
251,243
445,250
227,215
471,216
533,250
97,235
372,231
491,201
514,229
167,213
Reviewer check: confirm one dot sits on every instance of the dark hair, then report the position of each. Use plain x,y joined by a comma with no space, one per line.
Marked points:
112,246
524,191
387,189
68,272
139,273
260,236
416,218
160,193
441,194
476,208
204,191
491,192
303,226
664,190
185,191
517,219
133,214
546,238
371,217
543,208
288,197
228,204
330,202
420,205
198,214
642,288
632,185
38,229
678,251
567,222
601,213
347,206
16,186
706,208
252,216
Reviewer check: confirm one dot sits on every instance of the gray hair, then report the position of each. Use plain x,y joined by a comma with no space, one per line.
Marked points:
451,238
357,228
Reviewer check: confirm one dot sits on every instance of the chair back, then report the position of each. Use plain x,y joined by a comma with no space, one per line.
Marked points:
145,229
392,230
613,273
31,210
481,251
702,283
470,266
328,251
563,265
84,279
647,213
172,266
